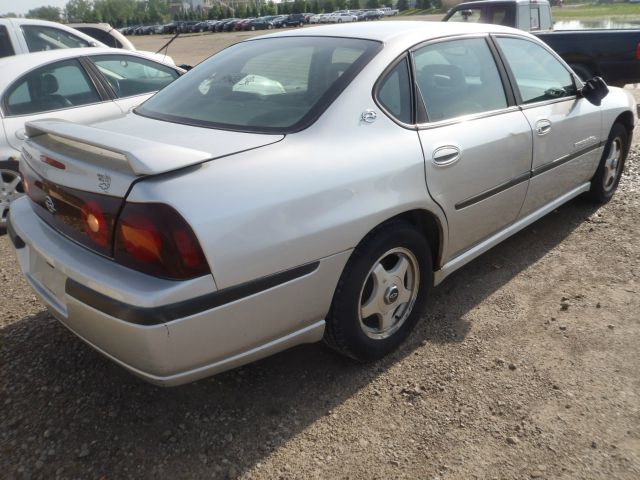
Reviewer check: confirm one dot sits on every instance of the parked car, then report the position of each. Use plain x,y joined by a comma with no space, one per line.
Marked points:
21,35
258,24
613,54
342,18
294,20
278,22
105,33
243,24
253,204
369,15
84,85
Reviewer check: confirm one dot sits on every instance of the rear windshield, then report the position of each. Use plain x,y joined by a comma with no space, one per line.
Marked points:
268,85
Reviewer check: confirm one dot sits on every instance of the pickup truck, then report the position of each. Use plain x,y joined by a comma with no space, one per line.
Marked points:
22,35
611,54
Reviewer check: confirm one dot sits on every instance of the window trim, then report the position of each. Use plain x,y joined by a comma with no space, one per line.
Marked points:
405,56
4,105
512,77
502,73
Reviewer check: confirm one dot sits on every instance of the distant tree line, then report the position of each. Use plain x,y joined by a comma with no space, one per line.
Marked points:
133,12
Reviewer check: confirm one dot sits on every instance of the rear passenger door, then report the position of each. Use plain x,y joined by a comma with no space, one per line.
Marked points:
133,79
476,141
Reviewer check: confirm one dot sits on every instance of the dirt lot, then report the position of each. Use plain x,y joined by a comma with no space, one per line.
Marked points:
526,365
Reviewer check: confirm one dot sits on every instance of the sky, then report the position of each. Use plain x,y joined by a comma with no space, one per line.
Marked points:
23,6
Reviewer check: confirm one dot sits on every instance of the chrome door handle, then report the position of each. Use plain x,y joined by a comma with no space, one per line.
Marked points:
543,127
446,155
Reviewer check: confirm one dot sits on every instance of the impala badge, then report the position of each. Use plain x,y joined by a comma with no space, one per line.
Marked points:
104,181
48,202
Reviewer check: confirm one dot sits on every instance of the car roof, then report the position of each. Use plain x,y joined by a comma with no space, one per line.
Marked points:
12,22
409,32
18,64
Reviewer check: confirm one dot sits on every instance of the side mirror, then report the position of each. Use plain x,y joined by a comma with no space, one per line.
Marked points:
594,90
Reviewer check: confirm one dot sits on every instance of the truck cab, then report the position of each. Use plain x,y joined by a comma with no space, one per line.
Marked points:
527,15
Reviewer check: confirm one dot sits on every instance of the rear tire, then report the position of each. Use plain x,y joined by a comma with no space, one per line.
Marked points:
381,292
607,177
10,188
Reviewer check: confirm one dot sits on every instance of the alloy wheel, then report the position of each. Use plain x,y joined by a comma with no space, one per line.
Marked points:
389,293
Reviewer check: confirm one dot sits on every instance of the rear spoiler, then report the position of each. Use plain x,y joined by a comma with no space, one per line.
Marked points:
143,157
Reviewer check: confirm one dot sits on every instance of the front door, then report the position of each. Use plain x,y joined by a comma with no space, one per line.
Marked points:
567,130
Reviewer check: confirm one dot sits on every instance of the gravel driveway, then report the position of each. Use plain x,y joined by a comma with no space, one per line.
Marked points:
526,365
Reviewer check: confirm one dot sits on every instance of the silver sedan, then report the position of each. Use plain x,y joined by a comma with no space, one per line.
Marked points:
306,185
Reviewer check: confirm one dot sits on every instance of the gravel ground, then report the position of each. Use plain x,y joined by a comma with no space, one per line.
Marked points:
524,366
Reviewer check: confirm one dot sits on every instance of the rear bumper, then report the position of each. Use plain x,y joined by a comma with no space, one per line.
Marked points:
170,332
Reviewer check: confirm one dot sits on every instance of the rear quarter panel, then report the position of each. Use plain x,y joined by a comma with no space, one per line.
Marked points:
316,193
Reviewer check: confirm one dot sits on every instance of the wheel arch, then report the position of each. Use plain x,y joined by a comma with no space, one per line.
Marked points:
427,223
626,119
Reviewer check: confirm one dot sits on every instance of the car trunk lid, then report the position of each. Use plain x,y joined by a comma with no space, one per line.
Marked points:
78,177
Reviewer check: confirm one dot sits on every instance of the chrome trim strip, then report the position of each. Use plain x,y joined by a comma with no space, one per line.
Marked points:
474,252
493,191
562,160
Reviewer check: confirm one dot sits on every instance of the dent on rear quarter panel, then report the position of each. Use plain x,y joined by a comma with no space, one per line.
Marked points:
315,193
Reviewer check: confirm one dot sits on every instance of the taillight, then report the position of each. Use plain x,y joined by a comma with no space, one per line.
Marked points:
94,223
638,51
153,238
86,217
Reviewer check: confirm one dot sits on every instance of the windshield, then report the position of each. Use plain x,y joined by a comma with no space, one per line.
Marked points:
268,85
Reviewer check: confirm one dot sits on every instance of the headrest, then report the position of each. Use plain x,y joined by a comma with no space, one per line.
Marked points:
49,84
442,75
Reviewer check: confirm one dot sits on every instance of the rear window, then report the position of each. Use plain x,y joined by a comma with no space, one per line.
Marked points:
269,85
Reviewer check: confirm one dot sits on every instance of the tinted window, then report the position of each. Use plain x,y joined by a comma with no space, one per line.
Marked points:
457,78
40,38
6,49
100,35
129,75
53,87
471,15
539,75
534,19
266,85
394,92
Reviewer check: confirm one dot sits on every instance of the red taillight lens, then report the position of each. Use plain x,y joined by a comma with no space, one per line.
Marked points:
94,223
86,217
154,239
638,51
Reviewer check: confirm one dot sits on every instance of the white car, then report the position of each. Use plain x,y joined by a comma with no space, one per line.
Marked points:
342,18
77,84
304,185
25,35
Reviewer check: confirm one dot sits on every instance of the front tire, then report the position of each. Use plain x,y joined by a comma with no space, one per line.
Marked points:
607,177
10,188
381,292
